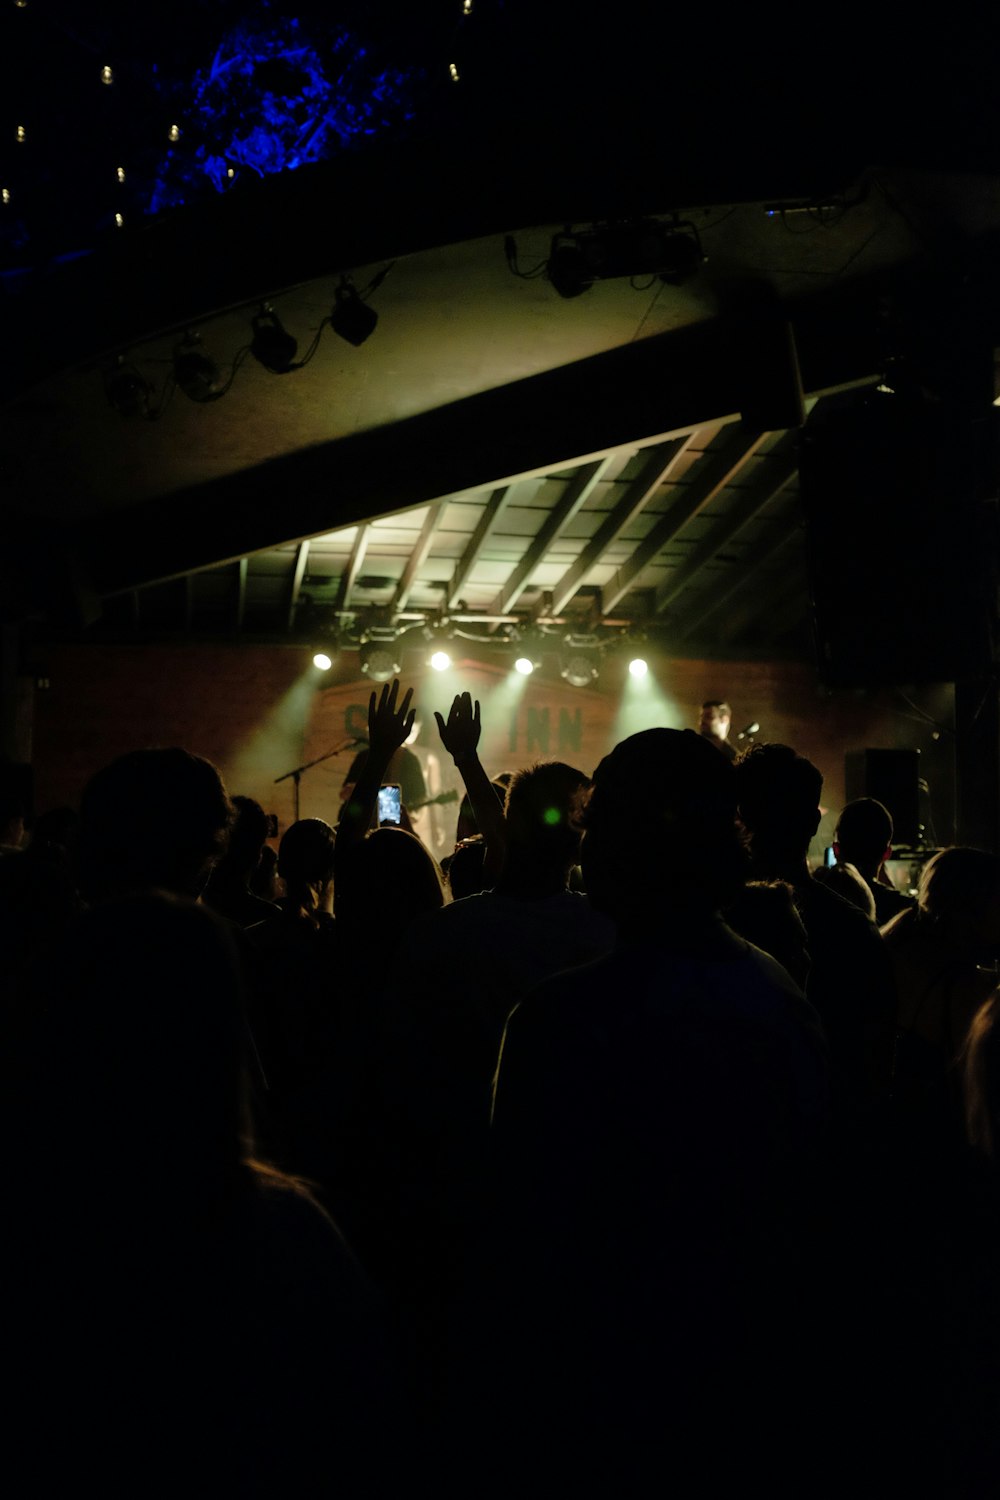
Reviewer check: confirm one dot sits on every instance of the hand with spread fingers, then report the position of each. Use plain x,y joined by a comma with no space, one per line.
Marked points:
460,735
389,727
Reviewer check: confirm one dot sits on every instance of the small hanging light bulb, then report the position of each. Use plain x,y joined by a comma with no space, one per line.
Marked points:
174,133
5,194
22,134
121,174
453,70
21,4
466,7
230,172
119,221
106,75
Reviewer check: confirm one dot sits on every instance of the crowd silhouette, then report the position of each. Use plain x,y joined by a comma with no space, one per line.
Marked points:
626,1155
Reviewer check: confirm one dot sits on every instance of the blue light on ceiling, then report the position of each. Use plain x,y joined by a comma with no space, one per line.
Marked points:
274,99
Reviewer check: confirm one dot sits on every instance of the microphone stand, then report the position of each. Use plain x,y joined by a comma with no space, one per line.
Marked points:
296,774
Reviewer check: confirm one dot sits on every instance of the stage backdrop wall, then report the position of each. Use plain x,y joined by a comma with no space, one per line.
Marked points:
258,712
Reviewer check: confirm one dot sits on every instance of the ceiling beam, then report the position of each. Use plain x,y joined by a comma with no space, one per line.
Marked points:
744,511
492,511
742,574
242,568
299,572
418,556
580,487
660,463
716,471
355,562
647,391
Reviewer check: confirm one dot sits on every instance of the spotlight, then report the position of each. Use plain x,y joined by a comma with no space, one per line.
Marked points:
127,391
322,661
637,667
440,661
579,661
524,665
196,374
567,269
378,660
644,247
351,318
271,345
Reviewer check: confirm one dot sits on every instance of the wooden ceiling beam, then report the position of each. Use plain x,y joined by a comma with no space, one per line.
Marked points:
660,463
491,513
298,573
417,558
580,487
718,470
742,513
239,613
355,562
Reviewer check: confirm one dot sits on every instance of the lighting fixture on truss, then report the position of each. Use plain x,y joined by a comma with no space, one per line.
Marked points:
580,660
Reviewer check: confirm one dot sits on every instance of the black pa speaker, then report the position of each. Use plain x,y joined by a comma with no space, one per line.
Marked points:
892,777
900,541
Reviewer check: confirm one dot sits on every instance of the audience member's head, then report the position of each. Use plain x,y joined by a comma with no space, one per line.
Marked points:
153,819
465,867
305,864
660,841
981,1079
264,880
764,913
543,834
247,837
393,881
959,901
778,793
864,835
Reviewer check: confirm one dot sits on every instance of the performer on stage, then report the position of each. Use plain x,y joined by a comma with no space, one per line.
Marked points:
716,717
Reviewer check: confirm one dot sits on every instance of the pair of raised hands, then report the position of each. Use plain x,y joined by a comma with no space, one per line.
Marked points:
389,725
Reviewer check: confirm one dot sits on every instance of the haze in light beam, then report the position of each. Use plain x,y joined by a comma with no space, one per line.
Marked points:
644,705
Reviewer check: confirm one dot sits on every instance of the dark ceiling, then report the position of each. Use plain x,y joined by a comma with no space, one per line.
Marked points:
494,450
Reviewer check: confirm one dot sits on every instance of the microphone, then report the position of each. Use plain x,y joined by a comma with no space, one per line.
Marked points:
753,728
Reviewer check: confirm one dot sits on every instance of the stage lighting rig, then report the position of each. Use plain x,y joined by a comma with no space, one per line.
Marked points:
580,660
272,345
379,655
352,319
640,247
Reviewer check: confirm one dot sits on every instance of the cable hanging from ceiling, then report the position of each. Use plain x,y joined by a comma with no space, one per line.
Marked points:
193,371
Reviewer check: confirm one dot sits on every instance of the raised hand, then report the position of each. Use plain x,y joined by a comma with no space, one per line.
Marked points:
460,735
389,726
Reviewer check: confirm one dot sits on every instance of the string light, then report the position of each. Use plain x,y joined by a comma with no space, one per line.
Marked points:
121,174
453,70
21,4
230,172
174,133
6,195
466,7
119,221
106,75
22,134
